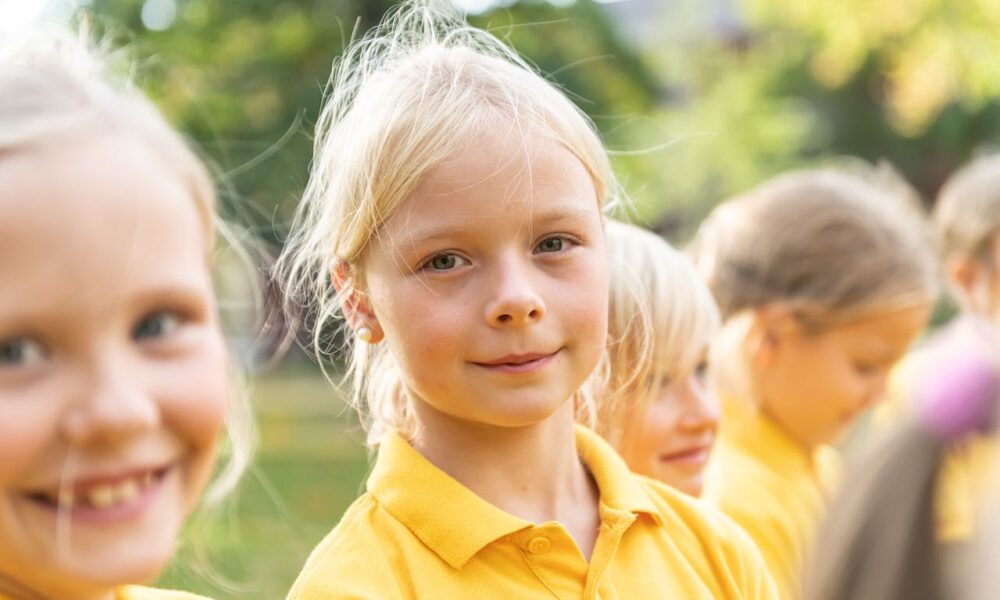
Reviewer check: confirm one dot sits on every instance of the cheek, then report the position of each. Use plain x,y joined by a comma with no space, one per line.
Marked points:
582,302
427,328
28,427
662,416
194,396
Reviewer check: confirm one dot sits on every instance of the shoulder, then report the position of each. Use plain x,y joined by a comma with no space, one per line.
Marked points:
678,510
728,550
736,477
351,561
775,511
135,592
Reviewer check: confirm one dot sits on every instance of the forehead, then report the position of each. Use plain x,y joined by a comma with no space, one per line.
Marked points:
95,205
887,332
504,177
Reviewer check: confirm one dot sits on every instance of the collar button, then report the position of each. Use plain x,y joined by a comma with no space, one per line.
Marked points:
539,545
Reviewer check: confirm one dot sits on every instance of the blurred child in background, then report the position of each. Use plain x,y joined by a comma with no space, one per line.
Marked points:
966,222
882,535
114,374
823,281
653,404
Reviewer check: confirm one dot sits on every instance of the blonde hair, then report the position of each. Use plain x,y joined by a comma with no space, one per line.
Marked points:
53,85
827,245
966,222
661,318
966,215
407,95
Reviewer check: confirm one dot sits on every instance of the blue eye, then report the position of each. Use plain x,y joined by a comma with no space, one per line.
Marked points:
20,352
445,262
552,244
156,325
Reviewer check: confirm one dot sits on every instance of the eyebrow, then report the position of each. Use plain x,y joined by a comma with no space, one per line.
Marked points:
180,292
544,217
173,293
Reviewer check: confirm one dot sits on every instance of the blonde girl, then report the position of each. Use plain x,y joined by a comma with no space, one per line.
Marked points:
454,221
823,281
966,222
114,380
653,402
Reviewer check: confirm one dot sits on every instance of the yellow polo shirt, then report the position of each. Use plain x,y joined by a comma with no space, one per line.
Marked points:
773,487
968,474
418,533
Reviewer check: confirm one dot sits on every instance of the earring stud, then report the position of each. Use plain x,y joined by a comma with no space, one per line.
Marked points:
365,334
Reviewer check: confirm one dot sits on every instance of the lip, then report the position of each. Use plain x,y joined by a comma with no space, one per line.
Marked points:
519,363
693,455
120,512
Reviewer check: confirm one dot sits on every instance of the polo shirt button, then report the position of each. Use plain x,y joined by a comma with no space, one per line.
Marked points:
538,545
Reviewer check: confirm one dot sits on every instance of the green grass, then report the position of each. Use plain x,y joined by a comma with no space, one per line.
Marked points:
310,465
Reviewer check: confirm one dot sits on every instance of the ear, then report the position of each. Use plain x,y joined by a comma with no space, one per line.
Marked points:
964,273
355,306
769,332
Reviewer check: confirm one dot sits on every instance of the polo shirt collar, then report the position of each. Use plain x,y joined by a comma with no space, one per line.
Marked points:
455,523
620,489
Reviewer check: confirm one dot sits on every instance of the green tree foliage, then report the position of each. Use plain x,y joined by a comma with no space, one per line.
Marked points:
704,109
789,84
244,80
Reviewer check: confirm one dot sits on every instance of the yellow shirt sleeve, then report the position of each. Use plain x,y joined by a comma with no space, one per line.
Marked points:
778,546
350,563
775,490
738,560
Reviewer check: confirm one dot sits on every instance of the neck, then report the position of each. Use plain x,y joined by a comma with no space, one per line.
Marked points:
757,407
532,472
760,402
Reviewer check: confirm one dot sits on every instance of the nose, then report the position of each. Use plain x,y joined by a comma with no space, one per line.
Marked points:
111,405
514,296
700,408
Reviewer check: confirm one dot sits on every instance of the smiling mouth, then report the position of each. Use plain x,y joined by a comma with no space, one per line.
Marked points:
519,363
102,495
696,455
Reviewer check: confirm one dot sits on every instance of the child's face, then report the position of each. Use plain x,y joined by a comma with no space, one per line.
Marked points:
113,371
816,385
672,439
490,283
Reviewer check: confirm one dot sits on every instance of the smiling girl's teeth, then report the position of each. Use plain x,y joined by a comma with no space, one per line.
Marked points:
103,496
109,494
127,491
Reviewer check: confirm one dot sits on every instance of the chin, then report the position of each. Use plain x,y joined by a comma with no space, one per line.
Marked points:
140,562
691,487
522,413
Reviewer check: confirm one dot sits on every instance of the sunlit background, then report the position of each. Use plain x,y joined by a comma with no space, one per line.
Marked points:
697,99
